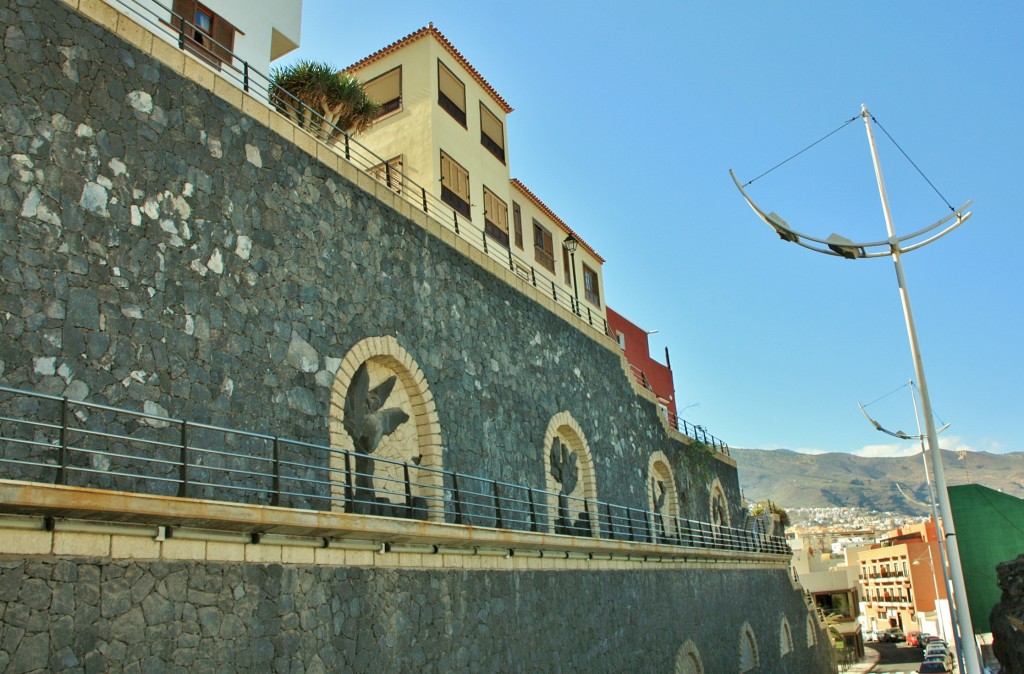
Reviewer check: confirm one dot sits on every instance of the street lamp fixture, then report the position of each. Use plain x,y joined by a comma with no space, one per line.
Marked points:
570,245
896,247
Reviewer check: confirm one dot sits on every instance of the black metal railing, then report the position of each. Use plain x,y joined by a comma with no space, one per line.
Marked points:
55,440
453,217
694,431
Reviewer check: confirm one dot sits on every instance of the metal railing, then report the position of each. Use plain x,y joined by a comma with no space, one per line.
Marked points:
56,440
698,433
260,85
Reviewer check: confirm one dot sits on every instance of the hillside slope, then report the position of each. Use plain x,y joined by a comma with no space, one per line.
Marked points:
796,480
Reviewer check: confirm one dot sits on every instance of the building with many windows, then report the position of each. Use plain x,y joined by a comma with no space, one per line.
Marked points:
443,127
901,581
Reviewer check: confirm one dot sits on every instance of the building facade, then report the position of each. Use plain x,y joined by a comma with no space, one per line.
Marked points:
655,376
901,580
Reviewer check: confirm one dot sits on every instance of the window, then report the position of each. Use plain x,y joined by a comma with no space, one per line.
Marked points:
517,221
454,185
495,218
543,247
203,32
785,637
386,89
748,649
451,93
621,339
590,287
492,134
566,266
389,173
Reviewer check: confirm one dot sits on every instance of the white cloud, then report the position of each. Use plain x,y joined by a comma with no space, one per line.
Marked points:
892,449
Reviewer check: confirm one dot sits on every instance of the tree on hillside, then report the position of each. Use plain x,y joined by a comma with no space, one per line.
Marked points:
330,100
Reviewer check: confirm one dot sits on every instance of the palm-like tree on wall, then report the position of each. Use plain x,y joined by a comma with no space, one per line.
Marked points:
331,101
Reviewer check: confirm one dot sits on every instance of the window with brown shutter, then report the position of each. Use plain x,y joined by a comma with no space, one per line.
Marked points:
492,133
454,185
386,89
203,32
543,247
517,222
495,218
451,93
590,288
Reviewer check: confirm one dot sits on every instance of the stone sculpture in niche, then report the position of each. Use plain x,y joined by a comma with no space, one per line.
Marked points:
659,492
367,424
565,471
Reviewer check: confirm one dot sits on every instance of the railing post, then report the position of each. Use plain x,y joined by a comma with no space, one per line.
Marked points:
183,468
649,528
497,506
348,150
533,509
275,498
62,459
455,219
590,320
387,174
511,264
245,76
458,498
408,490
424,191
484,235
554,292
611,522
533,276
350,492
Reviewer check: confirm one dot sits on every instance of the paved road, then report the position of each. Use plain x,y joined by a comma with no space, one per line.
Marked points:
897,658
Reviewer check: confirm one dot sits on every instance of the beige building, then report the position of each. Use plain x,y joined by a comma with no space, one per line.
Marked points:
443,130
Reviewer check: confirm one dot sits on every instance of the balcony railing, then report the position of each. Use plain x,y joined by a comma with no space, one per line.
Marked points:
698,433
52,439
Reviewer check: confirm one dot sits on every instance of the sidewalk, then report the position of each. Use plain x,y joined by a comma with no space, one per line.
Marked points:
866,664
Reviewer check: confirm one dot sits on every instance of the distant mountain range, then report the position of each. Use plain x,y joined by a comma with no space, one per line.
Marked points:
795,480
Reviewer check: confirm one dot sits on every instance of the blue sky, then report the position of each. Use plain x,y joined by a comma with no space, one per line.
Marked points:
626,124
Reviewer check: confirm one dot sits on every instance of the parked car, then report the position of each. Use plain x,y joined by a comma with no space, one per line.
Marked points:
870,636
895,634
914,637
933,667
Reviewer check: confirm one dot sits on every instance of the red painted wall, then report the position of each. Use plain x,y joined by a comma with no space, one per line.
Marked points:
657,375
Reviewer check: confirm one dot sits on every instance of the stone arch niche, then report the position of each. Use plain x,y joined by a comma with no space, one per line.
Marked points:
812,632
662,498
719,506
382,409
785,637
688,659
569,478
749,659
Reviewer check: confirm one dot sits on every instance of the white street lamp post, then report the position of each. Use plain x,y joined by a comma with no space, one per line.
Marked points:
896,246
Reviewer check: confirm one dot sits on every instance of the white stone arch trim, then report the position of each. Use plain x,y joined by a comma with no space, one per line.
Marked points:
659,468
688,659
785,637
749,658
564,426
717,492
812,632
385,350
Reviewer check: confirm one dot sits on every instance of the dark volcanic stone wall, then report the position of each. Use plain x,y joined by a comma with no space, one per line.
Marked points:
161,251
94,616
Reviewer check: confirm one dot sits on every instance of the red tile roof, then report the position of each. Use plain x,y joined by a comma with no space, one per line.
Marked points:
439,36
551,214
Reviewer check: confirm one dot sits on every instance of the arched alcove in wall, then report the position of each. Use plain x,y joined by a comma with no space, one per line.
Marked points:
569,478
688,659
719,506
749,659
662,497
812,632
785,637
379,383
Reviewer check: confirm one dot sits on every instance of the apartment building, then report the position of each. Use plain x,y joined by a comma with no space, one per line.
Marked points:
443,127
901,580
649,373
